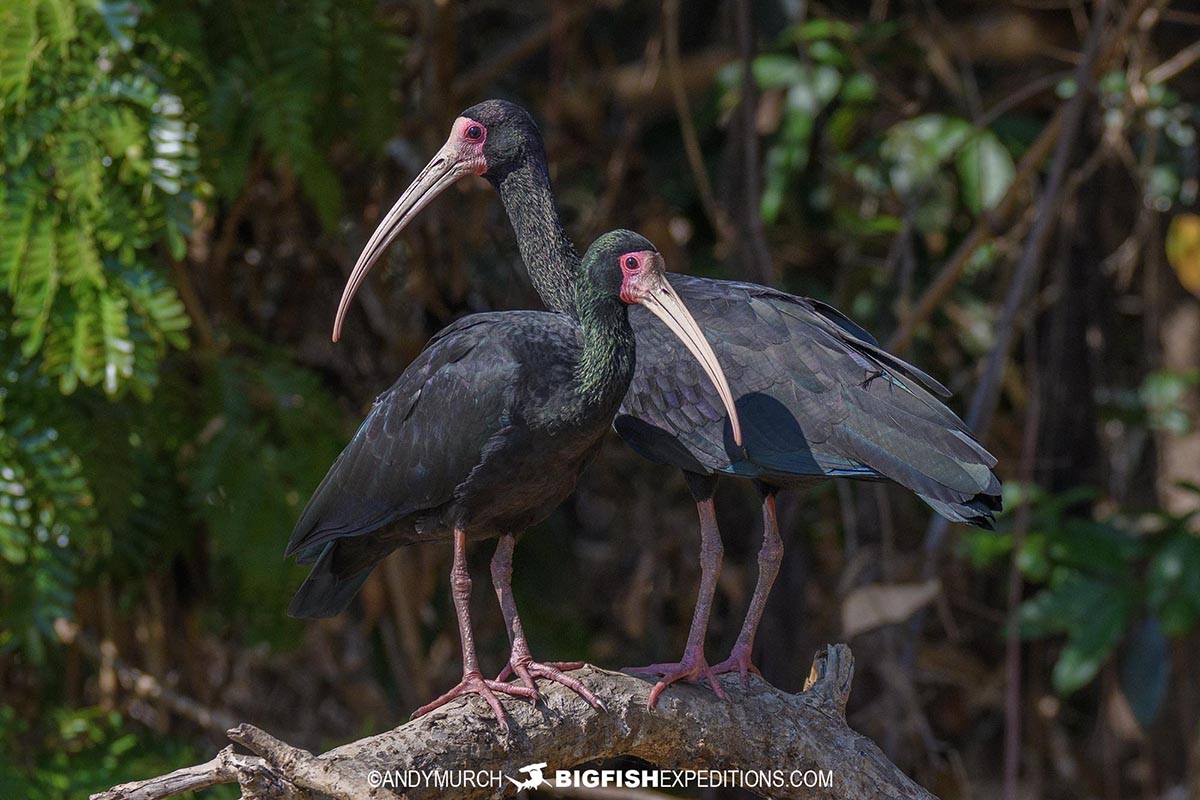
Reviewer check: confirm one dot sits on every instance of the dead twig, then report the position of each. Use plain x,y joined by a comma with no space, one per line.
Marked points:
993,224
1012,645
983,401
691,142
1175,64
757,255
986,396
469,83
252,772
143,684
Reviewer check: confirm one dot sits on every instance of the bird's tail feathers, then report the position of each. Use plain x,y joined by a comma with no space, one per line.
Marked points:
330,586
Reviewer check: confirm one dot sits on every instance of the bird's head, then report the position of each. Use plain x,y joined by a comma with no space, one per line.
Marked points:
488,139
511,136
622,264
627,265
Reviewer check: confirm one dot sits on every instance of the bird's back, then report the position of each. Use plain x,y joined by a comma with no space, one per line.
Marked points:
458,440
816,395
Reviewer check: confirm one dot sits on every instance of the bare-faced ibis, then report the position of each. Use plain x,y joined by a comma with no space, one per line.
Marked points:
483,435
817,395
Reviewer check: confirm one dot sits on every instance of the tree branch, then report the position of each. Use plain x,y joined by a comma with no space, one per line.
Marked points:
760,729
994,222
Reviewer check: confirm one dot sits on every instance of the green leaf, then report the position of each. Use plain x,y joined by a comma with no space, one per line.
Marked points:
1066,605
1146,670
775,71
917,149
1093,547
57,18
984,548
18,39
120,16
824,28
1092,641
859,88
156,300
77,167
118,349
16,216
1173,583
986,169
83,362
46,510
78,256
36,283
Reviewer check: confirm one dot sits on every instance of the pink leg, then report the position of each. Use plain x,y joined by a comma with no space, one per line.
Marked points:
693,666
520,662
769,558
473,681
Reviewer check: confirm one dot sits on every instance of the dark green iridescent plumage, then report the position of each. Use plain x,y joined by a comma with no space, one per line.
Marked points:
486,430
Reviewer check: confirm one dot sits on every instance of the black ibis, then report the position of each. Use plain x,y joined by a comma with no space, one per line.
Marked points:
817,395
483,434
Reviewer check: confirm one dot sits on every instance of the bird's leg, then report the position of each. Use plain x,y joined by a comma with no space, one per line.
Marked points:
769,558
693,666
520,662
473,681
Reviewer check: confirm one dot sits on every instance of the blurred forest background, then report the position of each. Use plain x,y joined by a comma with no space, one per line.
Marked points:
1003,192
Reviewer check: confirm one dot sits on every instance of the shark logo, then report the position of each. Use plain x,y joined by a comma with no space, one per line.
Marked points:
534,771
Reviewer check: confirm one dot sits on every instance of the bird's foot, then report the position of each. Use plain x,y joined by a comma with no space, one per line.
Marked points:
739,662
693,667
528,671
475,683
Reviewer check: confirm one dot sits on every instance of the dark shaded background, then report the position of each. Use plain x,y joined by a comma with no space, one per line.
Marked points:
149,477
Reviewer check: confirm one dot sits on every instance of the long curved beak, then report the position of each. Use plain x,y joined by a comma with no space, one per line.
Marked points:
662,301
444,169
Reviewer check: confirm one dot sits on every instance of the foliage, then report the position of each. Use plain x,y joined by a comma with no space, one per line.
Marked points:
289,85
1125,582
817,75
105,106
269,431
79,749
100,164
46,507
120,124
1167,124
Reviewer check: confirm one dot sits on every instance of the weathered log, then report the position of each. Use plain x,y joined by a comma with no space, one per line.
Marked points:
760,734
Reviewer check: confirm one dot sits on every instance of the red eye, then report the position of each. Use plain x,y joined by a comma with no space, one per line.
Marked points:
474,132
631,263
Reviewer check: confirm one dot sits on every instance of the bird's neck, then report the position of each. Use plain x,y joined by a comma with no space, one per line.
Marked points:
605,365
548,253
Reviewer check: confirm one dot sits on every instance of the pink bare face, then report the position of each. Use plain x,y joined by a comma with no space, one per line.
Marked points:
467,137
644,282
639,276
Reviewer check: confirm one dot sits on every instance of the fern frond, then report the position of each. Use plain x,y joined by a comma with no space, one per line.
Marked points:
16,216
158,303
46,512
118,349
57,22
35,283
77,167
77,255
18,48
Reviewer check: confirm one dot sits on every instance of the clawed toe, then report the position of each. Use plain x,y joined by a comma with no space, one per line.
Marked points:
474,683
690,669
528,671
739,662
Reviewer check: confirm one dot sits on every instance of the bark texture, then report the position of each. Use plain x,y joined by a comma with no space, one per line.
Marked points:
759,728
